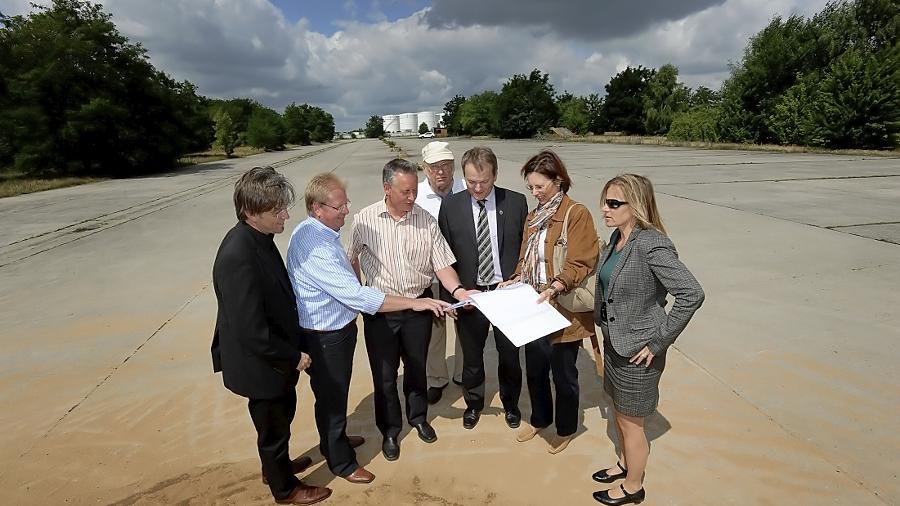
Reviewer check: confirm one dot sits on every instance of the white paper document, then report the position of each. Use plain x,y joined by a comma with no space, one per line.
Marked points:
513,310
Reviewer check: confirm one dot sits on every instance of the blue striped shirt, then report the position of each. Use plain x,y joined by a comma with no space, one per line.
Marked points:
328,293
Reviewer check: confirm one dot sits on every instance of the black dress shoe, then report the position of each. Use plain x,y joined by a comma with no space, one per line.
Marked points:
470,418
635,498
457,382
513,418
434,394
426,432
390,448
603,477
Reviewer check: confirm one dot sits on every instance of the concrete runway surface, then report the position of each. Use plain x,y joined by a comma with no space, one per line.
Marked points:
784,389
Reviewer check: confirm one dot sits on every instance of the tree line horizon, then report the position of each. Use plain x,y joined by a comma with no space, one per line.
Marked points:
78,98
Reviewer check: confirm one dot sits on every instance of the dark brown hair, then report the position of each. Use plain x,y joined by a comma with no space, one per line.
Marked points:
548,164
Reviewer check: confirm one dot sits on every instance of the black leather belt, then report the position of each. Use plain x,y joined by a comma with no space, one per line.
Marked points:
486,288
345,327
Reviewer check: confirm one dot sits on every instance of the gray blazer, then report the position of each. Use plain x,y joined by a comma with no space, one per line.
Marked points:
647,270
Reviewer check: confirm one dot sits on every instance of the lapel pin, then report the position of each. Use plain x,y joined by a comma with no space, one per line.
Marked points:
500,211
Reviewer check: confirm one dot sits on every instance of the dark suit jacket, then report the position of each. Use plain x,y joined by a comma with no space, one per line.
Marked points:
458,227
257,341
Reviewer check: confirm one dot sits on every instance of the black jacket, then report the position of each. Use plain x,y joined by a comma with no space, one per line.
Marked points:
458,227
257,341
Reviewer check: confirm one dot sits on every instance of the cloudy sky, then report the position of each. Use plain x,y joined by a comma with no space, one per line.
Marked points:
356,58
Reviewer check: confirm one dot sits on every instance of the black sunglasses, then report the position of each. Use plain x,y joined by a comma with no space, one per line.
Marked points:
615,204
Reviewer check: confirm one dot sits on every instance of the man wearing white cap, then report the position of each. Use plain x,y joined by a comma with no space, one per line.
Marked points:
439,183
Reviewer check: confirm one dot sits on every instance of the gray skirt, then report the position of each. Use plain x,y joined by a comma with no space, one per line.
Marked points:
634,389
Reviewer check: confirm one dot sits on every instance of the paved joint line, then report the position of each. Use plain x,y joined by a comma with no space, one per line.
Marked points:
774,217
781,426
781,180
834,227
112,372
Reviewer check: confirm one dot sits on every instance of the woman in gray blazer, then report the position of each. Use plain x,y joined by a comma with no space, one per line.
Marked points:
637,270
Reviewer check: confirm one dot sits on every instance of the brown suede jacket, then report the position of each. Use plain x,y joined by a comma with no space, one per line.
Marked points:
581,258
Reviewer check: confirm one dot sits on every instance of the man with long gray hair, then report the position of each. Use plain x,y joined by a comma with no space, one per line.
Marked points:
398,246
257,344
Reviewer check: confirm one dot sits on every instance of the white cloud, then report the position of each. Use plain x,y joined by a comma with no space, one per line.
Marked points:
247,48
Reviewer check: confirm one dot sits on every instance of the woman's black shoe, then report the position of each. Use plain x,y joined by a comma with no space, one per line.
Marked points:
603,477
635,498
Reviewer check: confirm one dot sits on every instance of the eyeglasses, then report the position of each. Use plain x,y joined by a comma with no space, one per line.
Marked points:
615,204
343,207
442,167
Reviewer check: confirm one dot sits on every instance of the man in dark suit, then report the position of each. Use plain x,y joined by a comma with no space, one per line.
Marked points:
257,343
484,227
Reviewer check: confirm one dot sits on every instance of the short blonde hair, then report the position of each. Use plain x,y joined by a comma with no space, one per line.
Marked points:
320,186
261,189
638,192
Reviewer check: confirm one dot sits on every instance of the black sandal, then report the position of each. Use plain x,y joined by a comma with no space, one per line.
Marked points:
603,477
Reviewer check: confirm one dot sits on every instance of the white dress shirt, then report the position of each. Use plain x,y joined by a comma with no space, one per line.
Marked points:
431,201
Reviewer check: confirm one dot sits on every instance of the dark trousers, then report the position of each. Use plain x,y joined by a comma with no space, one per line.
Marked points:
541,359
332,366
272,419
390,338
472,328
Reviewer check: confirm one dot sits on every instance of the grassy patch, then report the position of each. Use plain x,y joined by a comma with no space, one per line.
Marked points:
215,154
16,183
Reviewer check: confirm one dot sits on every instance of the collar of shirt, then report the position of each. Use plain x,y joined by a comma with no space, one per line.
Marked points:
428,192
490,202
382,210
320,227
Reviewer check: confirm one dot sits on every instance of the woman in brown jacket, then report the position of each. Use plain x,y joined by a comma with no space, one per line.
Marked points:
548,181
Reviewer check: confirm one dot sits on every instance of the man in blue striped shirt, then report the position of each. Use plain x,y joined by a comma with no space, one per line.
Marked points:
329,298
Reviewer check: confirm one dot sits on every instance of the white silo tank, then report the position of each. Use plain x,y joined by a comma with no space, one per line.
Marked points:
391,123
426,117
408,122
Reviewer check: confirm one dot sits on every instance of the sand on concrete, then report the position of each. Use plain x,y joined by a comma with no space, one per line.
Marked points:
783,389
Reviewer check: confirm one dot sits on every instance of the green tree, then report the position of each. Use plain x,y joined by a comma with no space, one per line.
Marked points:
663,99
374,127
858,102
265,129
793,120
79,98
478,115
451,118
698,124
703,96
424,128
772,60
526,105
624,102
596,111
573,113
296,126
226,135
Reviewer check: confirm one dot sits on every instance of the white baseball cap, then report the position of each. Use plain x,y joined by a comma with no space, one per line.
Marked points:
436,151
